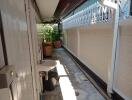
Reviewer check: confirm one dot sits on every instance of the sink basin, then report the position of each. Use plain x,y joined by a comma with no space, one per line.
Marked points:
47,65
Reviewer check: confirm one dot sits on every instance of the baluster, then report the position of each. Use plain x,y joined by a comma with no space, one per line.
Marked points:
87,19
90,14
97,12
101,14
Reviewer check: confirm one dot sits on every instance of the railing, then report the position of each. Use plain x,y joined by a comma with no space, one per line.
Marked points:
93,14
96,13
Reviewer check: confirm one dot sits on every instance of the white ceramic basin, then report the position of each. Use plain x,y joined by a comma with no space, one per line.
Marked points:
47,65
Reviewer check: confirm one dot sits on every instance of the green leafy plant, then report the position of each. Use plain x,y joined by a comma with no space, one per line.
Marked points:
56,35
45,32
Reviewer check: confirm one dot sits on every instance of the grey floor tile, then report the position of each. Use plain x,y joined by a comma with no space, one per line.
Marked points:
84,88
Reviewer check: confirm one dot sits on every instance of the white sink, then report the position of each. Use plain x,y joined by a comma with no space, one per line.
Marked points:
47,65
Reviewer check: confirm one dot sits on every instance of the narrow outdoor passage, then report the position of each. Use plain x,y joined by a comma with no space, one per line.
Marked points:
66,50
82,87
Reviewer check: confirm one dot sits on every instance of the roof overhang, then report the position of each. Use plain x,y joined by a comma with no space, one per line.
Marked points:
51,11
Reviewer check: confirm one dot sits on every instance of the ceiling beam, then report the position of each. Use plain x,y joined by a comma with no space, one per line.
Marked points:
71,10
66,6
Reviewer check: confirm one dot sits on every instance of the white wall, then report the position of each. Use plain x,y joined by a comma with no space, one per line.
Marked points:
18,46
95,50
94,46
72,40
123,73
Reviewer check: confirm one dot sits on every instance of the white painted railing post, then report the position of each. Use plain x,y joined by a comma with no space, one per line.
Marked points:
114,49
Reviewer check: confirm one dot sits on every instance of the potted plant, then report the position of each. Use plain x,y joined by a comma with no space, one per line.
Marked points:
56,37
46,35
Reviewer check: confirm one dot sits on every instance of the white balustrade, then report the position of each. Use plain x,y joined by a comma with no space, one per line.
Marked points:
96,13
93,14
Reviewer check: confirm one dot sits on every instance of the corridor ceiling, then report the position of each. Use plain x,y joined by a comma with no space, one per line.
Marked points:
52,11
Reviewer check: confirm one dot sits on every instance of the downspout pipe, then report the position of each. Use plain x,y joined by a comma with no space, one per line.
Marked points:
111,69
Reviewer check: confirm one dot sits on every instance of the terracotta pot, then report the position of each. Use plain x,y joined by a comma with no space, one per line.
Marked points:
57,44
47,49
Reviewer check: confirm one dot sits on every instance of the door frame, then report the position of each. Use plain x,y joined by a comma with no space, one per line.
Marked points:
28,12
3,41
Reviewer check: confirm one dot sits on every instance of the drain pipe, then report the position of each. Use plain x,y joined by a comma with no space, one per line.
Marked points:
111,70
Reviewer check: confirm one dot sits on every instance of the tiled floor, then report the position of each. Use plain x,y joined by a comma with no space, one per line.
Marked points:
83,88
